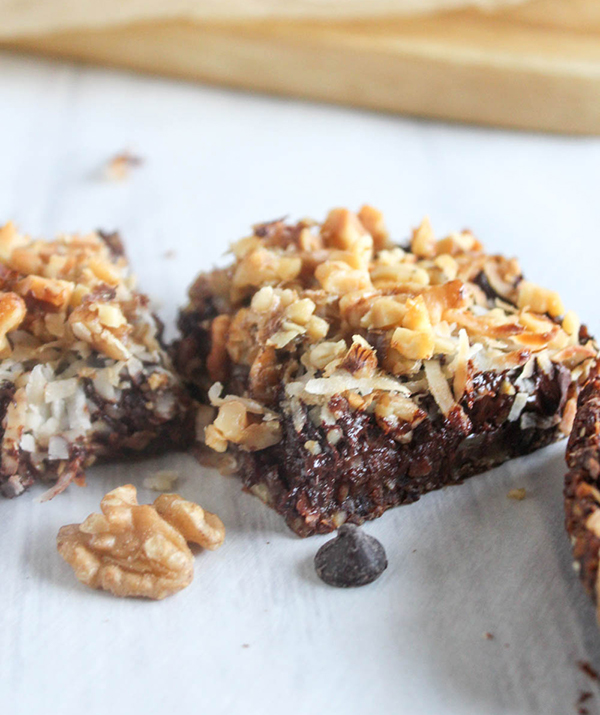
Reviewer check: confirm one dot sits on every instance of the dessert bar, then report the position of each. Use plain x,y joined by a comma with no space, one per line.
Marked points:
83,373
347,374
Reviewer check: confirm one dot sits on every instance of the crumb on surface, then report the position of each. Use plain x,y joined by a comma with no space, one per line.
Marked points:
517,494
488,636
587,669
162,481
245,645
169,254
119,167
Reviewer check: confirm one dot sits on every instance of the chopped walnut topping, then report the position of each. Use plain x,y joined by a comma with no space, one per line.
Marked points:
75,288
48,290
342,229
423,240
87,325
242,422
539,299
393,410
338,310
263,266
338,278
81,350
372,219
139,550
360,360
326,353
12,313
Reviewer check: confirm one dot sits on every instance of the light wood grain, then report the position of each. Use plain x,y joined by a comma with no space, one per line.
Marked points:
506,70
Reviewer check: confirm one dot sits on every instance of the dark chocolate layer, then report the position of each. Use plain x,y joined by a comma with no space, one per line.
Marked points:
582,498
368,471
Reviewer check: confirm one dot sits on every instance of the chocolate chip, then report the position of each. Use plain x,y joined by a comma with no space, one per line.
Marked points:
352,558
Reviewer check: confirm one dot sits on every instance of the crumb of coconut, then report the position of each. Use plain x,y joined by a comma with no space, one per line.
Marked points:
162,481
518,494
119,167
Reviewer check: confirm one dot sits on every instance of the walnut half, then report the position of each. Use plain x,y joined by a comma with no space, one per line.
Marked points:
131,550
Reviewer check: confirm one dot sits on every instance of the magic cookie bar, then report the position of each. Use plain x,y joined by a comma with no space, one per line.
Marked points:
582,486
348,375
83,373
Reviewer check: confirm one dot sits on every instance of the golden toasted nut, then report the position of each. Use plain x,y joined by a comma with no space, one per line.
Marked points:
190,519
131,550
12,313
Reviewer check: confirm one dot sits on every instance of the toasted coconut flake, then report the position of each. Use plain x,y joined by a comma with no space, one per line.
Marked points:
498,279
438,386
340,383
461,365
445,297
518,406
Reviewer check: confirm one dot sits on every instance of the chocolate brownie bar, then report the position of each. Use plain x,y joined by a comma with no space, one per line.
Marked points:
358,374
83,373
582,487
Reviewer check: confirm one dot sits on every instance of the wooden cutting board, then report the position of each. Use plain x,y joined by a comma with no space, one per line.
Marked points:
534,67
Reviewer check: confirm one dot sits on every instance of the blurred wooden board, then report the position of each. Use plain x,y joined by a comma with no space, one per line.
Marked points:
519,69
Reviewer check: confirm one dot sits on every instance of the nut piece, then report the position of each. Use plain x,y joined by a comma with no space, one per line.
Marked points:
48,290
236,424
190,519
413,344
423,240
12,313
129,549
341,229
89,323
373,221
540,300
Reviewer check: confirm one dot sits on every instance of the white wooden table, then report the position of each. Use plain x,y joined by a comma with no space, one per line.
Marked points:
257,632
